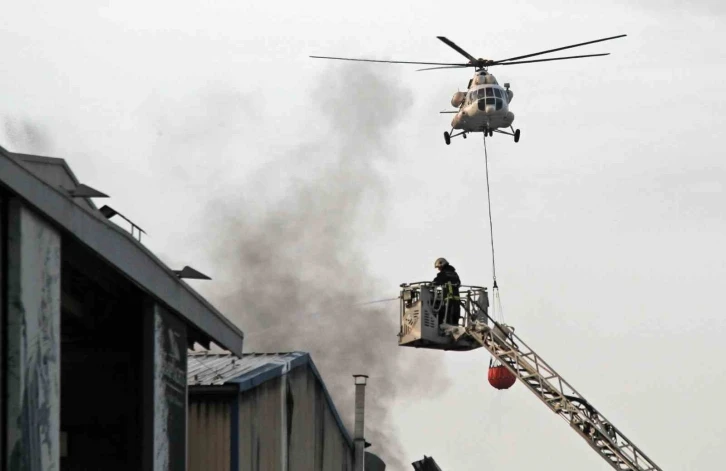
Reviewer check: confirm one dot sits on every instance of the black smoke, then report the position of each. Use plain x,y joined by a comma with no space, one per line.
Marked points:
293,244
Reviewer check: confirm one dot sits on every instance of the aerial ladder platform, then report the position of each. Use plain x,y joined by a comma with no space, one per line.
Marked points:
423,308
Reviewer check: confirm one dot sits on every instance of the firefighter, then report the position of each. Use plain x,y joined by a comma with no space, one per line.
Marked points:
449,280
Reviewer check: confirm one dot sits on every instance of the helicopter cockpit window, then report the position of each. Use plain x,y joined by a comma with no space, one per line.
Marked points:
491,96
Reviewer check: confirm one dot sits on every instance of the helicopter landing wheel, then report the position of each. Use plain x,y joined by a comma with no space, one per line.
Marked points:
447,138
516,135
464,135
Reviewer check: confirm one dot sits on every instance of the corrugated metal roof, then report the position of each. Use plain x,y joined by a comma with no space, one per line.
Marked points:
207,368
251,369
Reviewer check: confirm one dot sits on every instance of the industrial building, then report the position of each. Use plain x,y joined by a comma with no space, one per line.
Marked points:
94,331
95,339
268,412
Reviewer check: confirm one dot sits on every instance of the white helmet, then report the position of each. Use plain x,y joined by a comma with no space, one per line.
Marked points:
440,263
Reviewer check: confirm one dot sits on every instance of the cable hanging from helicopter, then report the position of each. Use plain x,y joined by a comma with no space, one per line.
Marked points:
484,107
499,376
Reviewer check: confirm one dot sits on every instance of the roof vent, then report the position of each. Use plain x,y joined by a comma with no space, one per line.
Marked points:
191,273
85,191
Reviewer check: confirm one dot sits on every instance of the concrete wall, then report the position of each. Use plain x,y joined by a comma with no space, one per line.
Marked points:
165,393
33,341
3,317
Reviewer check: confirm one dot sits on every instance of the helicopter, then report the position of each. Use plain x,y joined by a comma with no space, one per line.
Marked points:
484,107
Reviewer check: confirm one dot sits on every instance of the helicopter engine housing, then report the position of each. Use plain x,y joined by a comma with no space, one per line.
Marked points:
458,99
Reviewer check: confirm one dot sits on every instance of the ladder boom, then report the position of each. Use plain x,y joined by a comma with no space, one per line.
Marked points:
552,389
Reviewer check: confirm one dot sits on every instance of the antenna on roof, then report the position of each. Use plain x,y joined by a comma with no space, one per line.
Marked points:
109,212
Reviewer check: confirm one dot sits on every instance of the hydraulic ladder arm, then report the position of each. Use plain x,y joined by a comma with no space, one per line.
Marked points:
540,378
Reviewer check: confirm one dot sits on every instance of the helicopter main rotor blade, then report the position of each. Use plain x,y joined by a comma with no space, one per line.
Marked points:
453,46
389,62
551,59
559,49
446,67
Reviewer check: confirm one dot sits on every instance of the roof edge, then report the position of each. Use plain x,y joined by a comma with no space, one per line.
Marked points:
42,159
118,248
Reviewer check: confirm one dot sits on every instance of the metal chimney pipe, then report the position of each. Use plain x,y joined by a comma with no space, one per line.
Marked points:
358,435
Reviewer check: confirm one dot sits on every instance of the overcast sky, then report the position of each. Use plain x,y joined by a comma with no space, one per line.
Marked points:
608,214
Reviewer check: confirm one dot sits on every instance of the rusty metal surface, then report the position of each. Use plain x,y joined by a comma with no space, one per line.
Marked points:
209,435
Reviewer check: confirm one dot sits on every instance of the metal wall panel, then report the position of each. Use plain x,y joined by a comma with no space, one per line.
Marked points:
335,449
303,437
270,425
33,341
209,434
283,424
313,441
247,428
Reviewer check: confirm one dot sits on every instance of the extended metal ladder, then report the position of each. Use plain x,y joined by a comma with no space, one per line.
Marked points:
558,395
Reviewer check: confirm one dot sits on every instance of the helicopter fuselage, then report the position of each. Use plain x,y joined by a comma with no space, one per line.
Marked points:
485,106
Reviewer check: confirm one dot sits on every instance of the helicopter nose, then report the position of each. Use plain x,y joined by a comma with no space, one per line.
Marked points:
482,105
